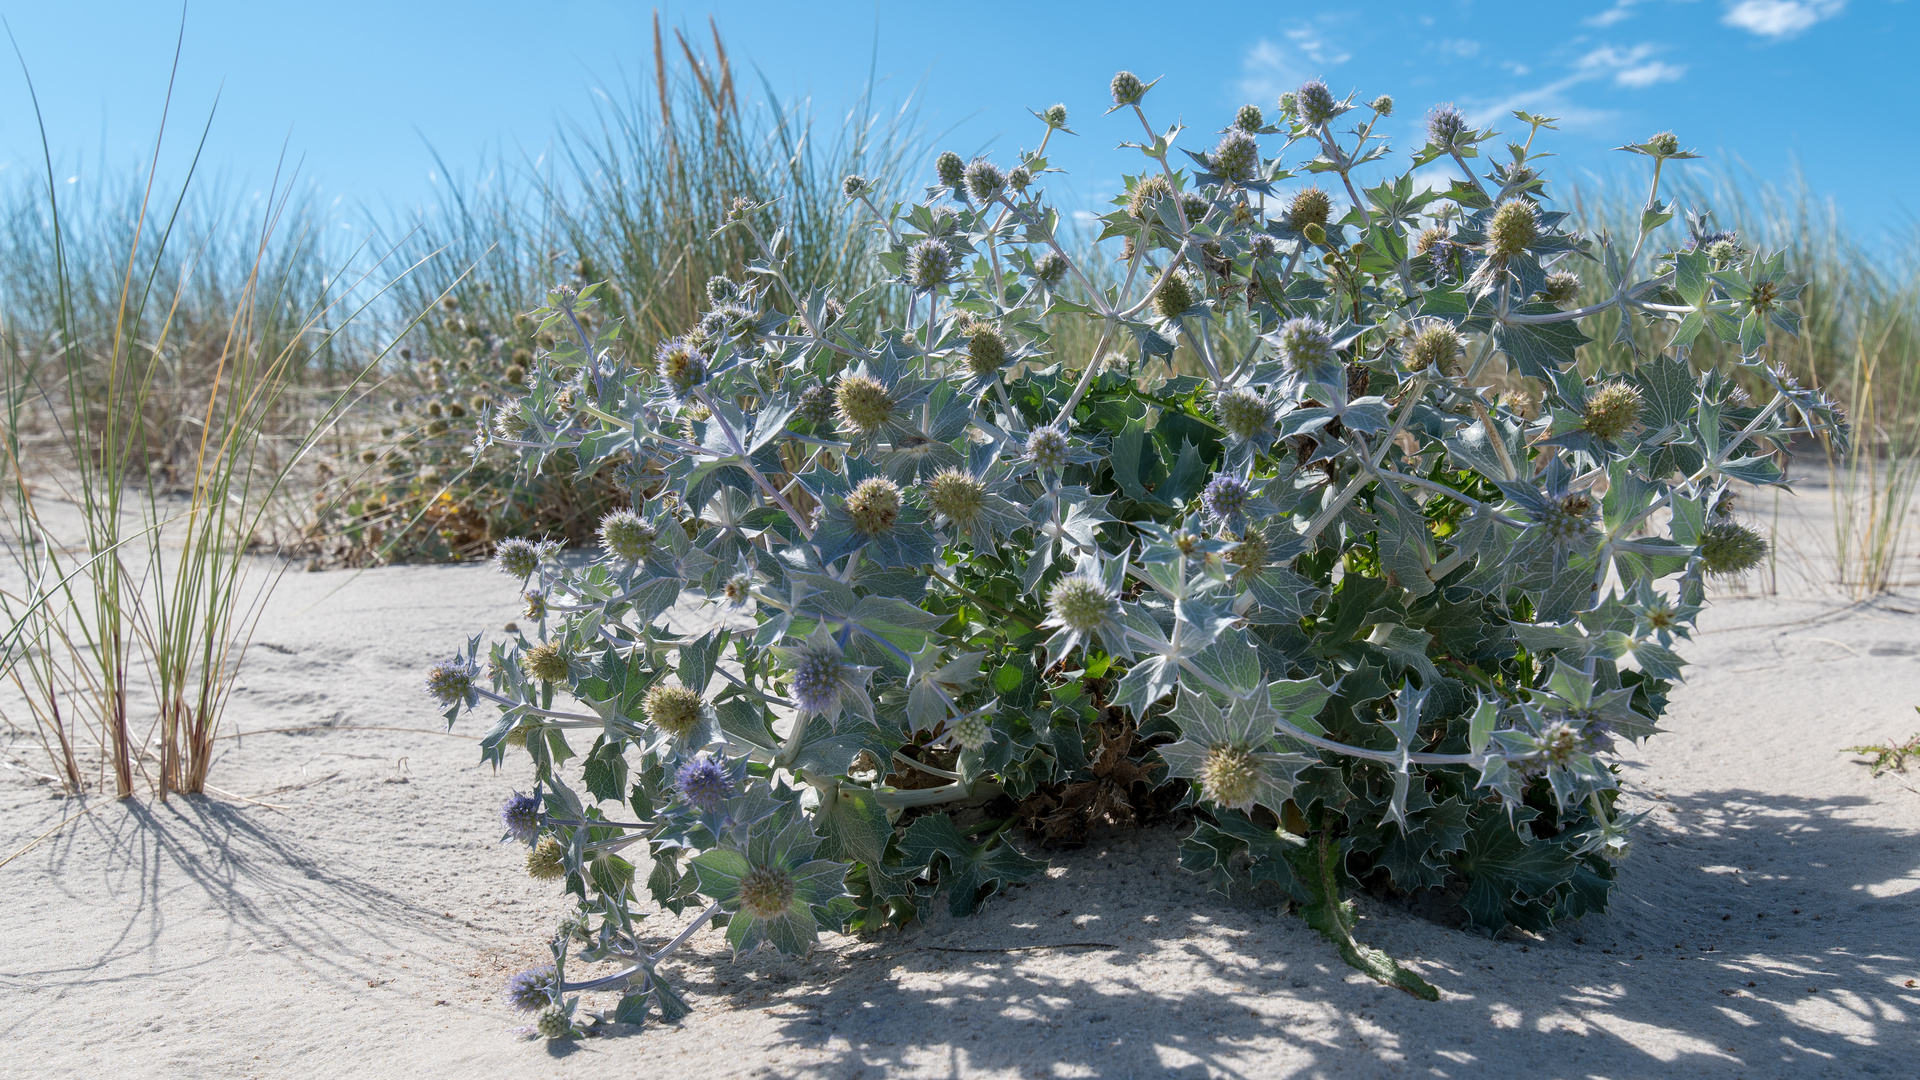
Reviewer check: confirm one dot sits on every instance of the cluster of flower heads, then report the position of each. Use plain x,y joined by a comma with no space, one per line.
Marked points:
1341,524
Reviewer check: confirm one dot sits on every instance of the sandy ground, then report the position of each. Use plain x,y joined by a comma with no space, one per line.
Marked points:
354,912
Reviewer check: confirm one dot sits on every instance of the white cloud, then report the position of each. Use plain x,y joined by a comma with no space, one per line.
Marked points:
1649,74
1460,47
1621,10
1271,68
1780,19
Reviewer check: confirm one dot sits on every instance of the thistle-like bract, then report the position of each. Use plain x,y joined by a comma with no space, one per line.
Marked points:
1047,448
1243,412
546,662
1080,603
532,990
1561,288
1613,410
929,264
1306,343
863,402
1309,206
1174,297
626,536
951,170
956,496
985,180
673,709
1515,226
1728,549
547,860
1445,124
704,783
986,349
554,1023
1230,777
516,558
1236,156
874,506
1315,102
1435,345
1126,88
521,817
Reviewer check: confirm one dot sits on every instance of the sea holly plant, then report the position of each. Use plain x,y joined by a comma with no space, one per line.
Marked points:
1333,545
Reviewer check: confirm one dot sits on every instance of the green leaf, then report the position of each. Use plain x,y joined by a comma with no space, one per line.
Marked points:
855,826
968,869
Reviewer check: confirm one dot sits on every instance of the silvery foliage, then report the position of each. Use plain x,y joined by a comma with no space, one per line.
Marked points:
1387,609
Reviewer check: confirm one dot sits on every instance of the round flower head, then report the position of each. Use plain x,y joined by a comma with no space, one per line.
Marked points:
1263,247
1020,177
547,860
521,816
1567,517
951,170
1561,288
956,496
554,1023
1127,89
929,264
1080,602
1310,206
1249,555
1315,102
1306,344
986,349
1237,155
1055,116
1194,207
1382,105
516,558
972,731
766,891
1249,118
738,589
531,990
984,179
1289,105
534,604
450,682
1051,268
1728,548
1436,345
874,506
853,186
1724,250
721,289
1243,412
1515,225
1559,742
625,536
1664,145
1444,124
1047,448
817,670
1230,777
729,318
816,406
1147,192
1174,298
1226,496
511,422
673,709
863,402
545,662
681,366
704,783
1612,410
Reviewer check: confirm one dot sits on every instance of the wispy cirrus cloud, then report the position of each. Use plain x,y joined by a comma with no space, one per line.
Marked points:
1633,68
1272,67
1780,19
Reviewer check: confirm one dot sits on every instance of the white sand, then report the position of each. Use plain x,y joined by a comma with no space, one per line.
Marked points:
1767,924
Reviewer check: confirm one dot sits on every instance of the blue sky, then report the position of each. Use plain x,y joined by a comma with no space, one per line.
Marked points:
358,90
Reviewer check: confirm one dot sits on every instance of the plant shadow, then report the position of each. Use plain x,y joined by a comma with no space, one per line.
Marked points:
1750,935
